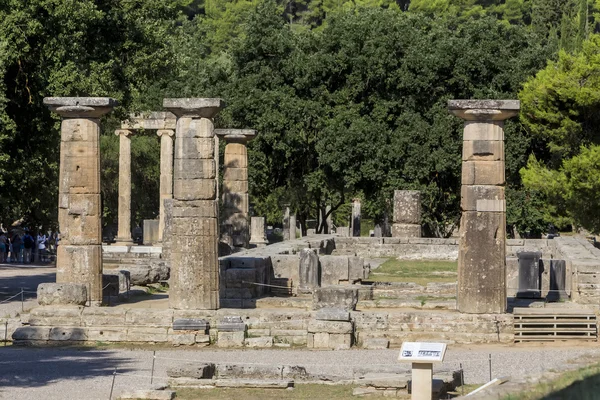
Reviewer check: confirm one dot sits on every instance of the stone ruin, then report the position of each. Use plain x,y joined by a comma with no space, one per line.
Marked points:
312,291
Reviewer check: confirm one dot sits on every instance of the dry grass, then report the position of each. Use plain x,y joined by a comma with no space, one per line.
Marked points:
302,391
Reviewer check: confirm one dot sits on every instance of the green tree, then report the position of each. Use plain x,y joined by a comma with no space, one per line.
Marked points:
67,48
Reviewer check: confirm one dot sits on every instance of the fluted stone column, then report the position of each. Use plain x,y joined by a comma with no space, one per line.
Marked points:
482,234
79,257
257,228
166,175
194,280
235,185
124,215
356,217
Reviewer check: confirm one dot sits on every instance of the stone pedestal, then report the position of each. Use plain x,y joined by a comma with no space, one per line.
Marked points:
124,217
79,258
286,222
166,175
407,214
194,281
235,185
258,236
482,238
356,217
309,271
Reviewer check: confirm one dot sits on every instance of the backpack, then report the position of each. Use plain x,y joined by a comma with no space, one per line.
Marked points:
28,242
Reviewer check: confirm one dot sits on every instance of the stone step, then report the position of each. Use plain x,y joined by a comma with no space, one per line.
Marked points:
254,383
148,395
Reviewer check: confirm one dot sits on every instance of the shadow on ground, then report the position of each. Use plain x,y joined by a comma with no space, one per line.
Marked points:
15,277
35,367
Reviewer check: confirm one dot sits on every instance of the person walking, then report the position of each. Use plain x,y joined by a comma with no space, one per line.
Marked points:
28,244
17,254
3,247
42,240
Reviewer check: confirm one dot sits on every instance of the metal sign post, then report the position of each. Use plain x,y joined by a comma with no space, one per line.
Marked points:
422,356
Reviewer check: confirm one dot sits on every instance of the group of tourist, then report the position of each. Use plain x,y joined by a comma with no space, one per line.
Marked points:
25,247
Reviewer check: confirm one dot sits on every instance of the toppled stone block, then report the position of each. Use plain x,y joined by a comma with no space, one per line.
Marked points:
68,334
190,324
62,293
245,371
148,395
332,314
335,297
197,371
259,342
231,324
376,343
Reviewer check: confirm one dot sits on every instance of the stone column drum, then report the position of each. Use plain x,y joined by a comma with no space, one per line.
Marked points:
356,217
258,236
194,281
166,175
124,215
482,234
407,214
79,258
235,184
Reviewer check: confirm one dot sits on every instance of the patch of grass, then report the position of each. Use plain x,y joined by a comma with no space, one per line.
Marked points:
301,391
419,272
582,384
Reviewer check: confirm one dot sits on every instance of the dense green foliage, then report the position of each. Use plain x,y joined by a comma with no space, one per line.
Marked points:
348,97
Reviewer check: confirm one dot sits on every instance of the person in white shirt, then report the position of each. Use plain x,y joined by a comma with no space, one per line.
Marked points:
41,246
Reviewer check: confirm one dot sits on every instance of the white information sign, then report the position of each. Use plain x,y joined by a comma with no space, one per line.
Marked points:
422,352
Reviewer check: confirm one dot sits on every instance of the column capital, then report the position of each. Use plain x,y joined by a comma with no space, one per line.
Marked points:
80,107
194,107
242,136
168,132
124,132
484,110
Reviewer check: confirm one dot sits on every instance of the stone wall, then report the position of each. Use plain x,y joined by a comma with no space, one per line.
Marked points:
261,328
583,267
144,263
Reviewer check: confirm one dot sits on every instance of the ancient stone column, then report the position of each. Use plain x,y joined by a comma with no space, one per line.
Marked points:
166,175
407,214
124,216
329,220
356,217
79,257
235,185
258,236
194,281
482,234
292,227
286,222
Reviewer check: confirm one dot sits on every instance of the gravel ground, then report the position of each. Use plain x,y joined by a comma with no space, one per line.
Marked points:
66,373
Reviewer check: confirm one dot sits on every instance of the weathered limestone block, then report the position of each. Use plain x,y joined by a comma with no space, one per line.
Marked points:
406,230
483,150
190,324
103,316
64,315
157,318
407,207
335,297
483,173
332,314
230,339
148,394
481,281
61,294
333,269
470,195
376,344
68,334
338,327
147,334
357,270
309,271
182,339
31,333
245,371
197,371
259,342
231,324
